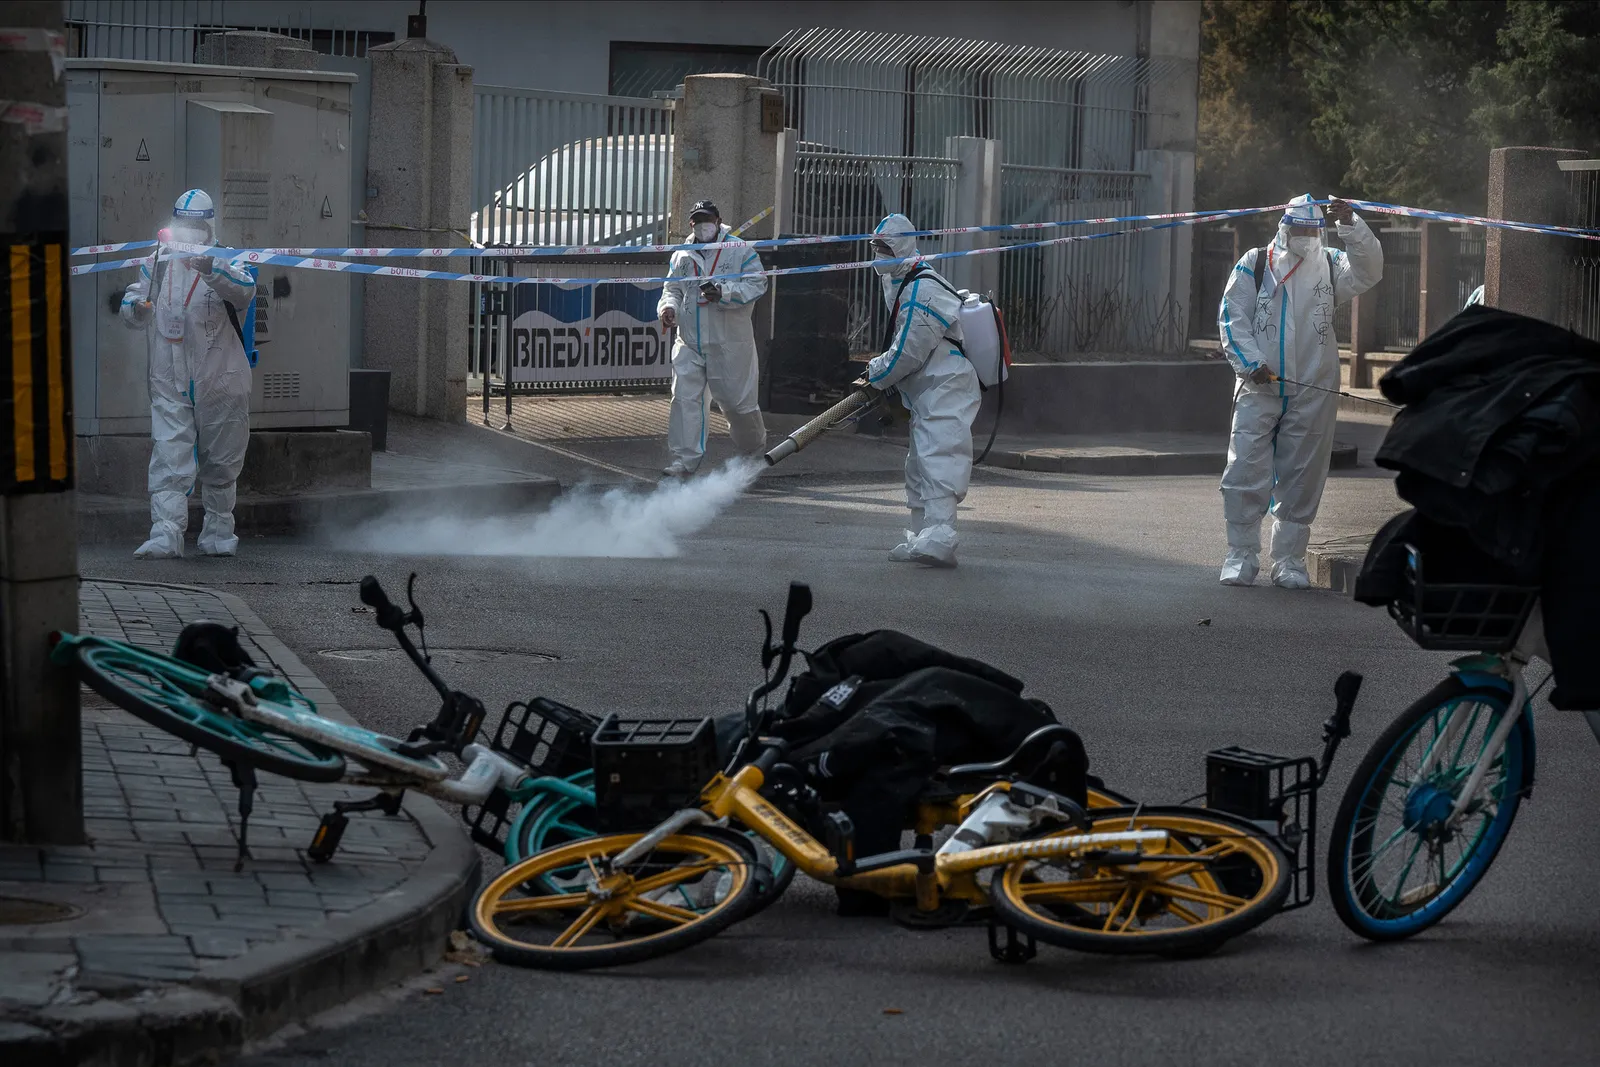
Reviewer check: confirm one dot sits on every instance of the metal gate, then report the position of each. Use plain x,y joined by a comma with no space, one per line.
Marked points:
1580,296
875,112
558,169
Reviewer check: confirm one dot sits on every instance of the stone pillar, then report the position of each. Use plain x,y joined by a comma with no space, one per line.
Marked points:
1522,271
1438,301
251,48
41,758
721,152
974,201
419,160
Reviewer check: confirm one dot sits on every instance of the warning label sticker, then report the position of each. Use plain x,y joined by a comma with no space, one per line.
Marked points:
143,155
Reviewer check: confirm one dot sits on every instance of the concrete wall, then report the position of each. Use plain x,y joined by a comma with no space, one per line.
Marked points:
555,44
1143,397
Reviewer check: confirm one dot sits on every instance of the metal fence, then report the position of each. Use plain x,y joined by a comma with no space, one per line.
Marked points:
569,168
878,109
171,31
1580,295
840,192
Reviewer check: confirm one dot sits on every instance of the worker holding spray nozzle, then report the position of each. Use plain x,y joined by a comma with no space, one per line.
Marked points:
1276,324
924,362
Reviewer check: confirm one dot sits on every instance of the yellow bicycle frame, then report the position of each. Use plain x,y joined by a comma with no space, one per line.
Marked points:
953,876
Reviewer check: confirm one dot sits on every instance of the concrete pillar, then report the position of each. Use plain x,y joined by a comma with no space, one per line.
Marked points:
721,151
974,201
1166,257
252,48
1522,271
419,159
1438,302
41,760
1363,337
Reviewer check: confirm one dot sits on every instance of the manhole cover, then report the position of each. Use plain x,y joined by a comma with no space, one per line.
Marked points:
449,657
20,911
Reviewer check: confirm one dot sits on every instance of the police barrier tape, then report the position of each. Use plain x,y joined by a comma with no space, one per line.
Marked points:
599,250
346,267
781,242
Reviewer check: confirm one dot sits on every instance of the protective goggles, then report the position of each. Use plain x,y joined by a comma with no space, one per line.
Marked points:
881,247
1312,223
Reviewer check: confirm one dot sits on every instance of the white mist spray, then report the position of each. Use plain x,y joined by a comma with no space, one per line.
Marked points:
616,523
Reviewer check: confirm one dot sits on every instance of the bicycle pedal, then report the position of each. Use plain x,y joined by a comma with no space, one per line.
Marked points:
1013,949
329,833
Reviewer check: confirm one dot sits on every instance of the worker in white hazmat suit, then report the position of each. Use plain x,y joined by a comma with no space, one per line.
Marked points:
923,360
714,356
1276,324
199,381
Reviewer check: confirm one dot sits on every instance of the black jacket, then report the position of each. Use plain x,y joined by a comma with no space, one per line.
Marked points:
1499,441
1499,409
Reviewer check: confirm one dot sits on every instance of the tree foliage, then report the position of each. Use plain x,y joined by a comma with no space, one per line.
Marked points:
1394,100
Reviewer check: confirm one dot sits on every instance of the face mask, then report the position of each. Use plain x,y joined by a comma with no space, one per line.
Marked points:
188,235
705,232
1304,246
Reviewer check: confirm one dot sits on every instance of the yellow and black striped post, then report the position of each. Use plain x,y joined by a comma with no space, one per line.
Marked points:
36,453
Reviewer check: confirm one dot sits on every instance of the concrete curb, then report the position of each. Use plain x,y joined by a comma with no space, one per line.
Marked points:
116,519
342,958
1130,463
1336,564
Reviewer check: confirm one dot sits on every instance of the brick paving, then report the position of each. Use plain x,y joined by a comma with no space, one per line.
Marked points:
156,886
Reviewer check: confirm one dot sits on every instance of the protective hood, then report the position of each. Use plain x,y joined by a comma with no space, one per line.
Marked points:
894,231
1301,212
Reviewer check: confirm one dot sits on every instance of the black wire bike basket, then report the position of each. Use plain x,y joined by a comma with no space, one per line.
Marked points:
1460,616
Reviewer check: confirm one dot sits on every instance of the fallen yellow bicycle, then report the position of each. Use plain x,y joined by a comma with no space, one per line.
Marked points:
1108,876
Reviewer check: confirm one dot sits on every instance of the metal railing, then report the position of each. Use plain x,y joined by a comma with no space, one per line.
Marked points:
1580,293
569,168
171,31
1079,296
839,192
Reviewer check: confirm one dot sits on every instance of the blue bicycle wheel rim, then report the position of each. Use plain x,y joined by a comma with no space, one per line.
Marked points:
1461,877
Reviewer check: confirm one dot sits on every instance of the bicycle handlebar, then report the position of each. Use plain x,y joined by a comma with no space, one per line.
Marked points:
394,620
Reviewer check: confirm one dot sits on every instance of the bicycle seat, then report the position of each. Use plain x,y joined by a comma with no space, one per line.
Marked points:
1027,758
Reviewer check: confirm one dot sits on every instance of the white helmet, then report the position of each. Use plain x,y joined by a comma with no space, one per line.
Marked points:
195,204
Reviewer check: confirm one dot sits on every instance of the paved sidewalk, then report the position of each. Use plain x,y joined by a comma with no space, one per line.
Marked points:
164,953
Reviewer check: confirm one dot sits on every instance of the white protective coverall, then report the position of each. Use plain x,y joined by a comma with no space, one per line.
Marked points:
940,389
1283,434
714,356
199,393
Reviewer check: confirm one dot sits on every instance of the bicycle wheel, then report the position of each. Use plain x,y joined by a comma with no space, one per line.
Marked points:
552,819
167,693
1215,877
690,887
1396,864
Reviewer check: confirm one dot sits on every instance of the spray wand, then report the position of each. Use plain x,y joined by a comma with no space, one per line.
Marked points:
1336,392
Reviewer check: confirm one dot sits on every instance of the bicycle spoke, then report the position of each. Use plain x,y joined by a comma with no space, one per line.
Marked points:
1115,909
675,876
1096,891
1133,910
1400,883
1184,913
522,905
657,910
1199,896
583,925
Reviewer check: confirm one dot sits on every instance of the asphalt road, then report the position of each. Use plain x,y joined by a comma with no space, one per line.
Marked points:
1094,591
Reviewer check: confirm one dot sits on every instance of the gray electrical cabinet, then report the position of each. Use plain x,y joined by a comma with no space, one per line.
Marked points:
272,147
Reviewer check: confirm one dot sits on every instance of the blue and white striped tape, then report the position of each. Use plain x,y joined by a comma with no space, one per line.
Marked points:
597,250
346,267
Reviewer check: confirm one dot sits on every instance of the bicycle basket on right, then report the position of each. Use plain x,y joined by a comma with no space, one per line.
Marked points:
1460,616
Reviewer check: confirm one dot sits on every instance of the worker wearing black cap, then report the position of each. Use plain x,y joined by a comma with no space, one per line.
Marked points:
714,357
